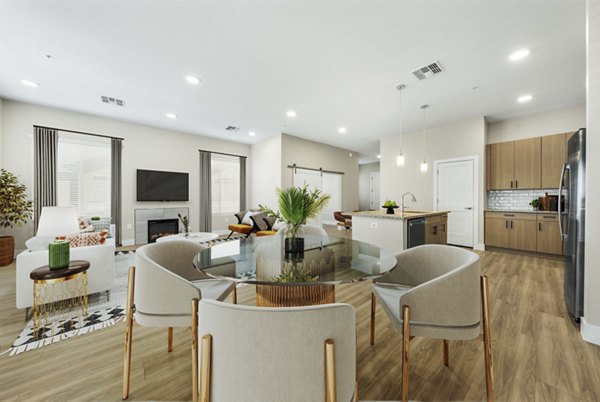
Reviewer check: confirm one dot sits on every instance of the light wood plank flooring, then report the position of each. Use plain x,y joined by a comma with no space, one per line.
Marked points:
539,355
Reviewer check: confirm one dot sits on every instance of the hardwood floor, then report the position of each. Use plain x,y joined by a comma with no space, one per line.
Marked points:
539,355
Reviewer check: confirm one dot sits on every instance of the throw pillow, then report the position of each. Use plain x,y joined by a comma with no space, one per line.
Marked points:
259,221
85,239
278,225
83,224
247,220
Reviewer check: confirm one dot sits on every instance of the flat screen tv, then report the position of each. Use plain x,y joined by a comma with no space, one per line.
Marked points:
153,185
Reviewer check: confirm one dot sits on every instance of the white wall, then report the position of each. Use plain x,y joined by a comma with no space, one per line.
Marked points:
464,138
265,162
317,155
364,184
144,148
590,327
537,125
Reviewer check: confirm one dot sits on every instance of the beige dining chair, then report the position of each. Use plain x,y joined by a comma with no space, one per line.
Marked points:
161,286
436,291
276,354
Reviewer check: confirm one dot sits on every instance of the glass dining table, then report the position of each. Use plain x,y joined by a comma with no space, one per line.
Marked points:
294,279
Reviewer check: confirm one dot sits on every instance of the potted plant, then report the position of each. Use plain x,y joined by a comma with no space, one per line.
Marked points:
535,203
15,210
296,206
185,222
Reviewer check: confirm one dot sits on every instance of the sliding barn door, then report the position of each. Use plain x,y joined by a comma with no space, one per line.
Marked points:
328,183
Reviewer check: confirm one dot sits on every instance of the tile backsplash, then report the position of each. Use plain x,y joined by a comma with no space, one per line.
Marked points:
515,200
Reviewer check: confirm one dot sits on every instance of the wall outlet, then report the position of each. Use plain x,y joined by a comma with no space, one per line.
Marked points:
374,225
129,226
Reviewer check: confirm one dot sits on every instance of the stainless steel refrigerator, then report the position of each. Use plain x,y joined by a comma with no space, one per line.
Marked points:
572,223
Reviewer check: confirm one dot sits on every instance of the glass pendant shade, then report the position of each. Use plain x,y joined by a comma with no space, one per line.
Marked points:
400,159
424,167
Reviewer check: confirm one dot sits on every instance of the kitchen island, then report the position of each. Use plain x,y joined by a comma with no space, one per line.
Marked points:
392,231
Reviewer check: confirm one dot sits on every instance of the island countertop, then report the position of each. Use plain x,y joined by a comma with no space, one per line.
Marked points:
408,214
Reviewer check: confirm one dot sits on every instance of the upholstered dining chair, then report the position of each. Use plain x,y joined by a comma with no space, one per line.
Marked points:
276,354
436,291
161,286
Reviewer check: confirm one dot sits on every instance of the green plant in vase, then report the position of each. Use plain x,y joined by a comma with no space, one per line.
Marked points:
15,210
185,222
296,206
535,203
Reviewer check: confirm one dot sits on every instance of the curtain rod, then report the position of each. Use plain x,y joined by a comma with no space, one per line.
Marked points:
294,166
79,132
221,153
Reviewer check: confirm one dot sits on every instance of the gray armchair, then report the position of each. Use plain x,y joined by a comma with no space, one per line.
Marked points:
162,285
436,292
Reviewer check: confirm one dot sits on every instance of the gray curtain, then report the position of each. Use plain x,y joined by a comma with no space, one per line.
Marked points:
242,183
45,146
116,147
205,193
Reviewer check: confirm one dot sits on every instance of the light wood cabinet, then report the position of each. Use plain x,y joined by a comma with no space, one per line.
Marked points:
554,155
488,161
436,229
548,235
502,165
528,163
511,230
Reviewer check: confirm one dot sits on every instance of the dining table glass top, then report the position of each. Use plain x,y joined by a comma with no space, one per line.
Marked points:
326,260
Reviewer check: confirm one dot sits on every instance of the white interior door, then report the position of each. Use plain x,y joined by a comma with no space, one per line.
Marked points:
374,191
455,193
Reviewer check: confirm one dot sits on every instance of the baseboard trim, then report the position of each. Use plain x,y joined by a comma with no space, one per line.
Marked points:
479,246
590,333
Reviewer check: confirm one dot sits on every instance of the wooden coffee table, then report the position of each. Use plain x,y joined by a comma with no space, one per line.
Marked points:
59,291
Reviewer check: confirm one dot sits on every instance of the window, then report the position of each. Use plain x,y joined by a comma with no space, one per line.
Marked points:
225,183
83,174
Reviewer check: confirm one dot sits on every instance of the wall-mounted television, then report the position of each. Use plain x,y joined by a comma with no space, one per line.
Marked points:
154,185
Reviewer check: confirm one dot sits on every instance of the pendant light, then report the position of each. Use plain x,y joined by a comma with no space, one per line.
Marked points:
400,157
424,166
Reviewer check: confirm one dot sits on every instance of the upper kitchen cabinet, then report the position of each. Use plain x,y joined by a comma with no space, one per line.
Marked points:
554,155
502,166
528,163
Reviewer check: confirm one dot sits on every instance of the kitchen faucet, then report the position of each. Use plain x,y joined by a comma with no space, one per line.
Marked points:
402,203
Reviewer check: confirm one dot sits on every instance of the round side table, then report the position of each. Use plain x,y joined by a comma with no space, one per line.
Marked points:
59,291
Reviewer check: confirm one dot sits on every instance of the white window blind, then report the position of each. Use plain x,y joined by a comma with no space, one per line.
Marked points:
225,183
83,174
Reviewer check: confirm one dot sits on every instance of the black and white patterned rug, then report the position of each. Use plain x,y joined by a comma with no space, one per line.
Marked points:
102,313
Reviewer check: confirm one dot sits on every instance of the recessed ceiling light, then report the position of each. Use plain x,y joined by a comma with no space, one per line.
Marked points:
251,133
378,156
291,113
342,130
192,79
524,98
519,54
30,83
171,115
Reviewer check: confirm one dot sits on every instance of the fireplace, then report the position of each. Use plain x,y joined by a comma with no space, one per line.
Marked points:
162,227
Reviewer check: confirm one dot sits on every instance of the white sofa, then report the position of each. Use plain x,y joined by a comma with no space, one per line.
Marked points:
101,273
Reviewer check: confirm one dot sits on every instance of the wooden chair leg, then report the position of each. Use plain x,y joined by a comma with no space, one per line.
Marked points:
194,329
230,233
128,334
405,349
330,384
205,368
373,311
234,294
445,343
170,339
487,339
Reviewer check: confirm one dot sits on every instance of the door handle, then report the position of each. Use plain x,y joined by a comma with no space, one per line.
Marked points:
540,226
511,224
511,184
516,183
506,224
469,208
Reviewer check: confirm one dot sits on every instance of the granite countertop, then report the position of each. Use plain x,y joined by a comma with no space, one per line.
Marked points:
408,214
505,211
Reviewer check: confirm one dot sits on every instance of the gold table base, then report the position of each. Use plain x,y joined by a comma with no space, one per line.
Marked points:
292,296
58,298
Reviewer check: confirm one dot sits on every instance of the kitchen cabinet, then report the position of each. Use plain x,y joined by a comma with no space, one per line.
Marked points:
502,165
488,161
511,230
528,163
554,155
436,229
548,235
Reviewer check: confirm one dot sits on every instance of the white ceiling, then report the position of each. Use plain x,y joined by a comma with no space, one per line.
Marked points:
335,62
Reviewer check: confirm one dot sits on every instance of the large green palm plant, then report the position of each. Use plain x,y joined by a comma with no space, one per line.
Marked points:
296,206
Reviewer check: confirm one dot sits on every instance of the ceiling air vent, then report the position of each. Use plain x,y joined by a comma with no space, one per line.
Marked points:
428,71
112,101
232,129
